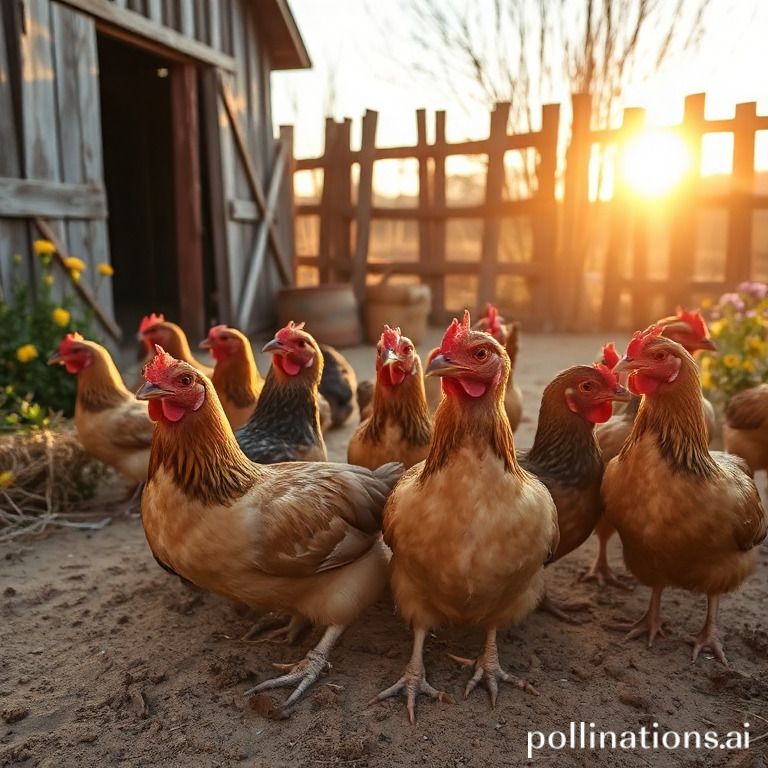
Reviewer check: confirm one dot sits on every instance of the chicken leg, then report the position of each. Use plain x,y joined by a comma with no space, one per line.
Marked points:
414,681
487,668
650,624
708,637
600,571
561,609
276,628
305,672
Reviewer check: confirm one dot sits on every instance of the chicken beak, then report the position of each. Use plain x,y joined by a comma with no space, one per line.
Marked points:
55,357
205,344
440,365
274,346
150,391
708,345
389,357
621,394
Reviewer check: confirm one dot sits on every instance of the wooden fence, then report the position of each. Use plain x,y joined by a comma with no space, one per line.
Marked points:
562,214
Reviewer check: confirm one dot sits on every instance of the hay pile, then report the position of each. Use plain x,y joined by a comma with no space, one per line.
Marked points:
52,482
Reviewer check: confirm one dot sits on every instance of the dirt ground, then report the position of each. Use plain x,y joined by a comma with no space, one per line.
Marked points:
108,660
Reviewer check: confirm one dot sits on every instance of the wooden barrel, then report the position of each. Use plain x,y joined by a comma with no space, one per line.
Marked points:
330,312
397,304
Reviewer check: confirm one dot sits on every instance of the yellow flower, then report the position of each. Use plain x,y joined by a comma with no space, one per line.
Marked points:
26,353
755,345
706,379
73,264
75,275
706,303
106,269
716,327
44,247
48,280
12,419
705,363
731,360
61,317
6,479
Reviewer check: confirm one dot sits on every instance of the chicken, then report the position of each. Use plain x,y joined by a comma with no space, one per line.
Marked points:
236,378
687,518
285,426
399,427
337,385
111,425
364,396
469,529
744,431
155,329
690,330
507,334
298,538
565,455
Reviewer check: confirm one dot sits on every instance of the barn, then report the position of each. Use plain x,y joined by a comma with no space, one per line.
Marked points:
138,133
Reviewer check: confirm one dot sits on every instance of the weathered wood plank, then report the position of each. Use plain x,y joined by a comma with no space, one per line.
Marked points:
256,262
364,204
494,180
187,17
51,199
187,192
436,255
116,20
326,205
425,196
243,211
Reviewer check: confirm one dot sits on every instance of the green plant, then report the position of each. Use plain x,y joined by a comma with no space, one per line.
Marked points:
738,323
32,323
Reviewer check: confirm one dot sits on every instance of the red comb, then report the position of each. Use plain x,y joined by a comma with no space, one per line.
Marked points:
696,322
640,338
390,337
286,333
69,341
149,320
216,329
455,331
158,365
610,356
608,375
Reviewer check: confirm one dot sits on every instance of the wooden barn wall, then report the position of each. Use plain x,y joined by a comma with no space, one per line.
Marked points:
61,132
249,86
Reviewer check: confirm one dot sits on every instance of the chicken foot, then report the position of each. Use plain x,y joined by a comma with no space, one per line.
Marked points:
414,681
561,609
601,572
277,628
305,672
650,624
487,668
708,636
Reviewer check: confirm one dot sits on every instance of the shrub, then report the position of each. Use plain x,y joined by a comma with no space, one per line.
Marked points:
738,323
32,323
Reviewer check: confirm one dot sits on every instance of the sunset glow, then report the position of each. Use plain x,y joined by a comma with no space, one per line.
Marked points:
653,163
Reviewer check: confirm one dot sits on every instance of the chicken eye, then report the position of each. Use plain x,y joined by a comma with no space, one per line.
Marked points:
407,349
481,354
185,379
659,355
301,343
587,386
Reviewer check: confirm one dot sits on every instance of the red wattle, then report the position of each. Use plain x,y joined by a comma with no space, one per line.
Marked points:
642,385
155,410
396,375
600,413
172,412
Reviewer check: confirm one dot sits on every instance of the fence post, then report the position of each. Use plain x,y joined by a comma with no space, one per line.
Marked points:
364,204
325,245
683,240
570,273
425,207
494,183
437,252
738,266
343,200
546,214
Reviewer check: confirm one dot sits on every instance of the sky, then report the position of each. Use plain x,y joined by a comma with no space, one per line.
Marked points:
358,64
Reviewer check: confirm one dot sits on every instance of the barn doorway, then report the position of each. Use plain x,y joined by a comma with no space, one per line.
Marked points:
156,190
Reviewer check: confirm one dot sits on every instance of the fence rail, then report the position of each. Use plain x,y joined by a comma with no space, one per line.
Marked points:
562,213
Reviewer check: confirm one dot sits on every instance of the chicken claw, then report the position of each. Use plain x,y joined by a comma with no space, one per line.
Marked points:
708,637
604,575
488,669
305,672
649,624
414,681
276,628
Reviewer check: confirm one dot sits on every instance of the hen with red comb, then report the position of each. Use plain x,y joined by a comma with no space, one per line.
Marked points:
469,529
302,539
111,425
399,427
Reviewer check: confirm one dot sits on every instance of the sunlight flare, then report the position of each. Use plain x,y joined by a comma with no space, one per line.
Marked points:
654,162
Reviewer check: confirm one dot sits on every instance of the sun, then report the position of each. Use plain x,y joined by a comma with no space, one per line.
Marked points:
653,162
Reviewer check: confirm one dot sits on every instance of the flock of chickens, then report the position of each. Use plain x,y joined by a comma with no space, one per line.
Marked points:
435,501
